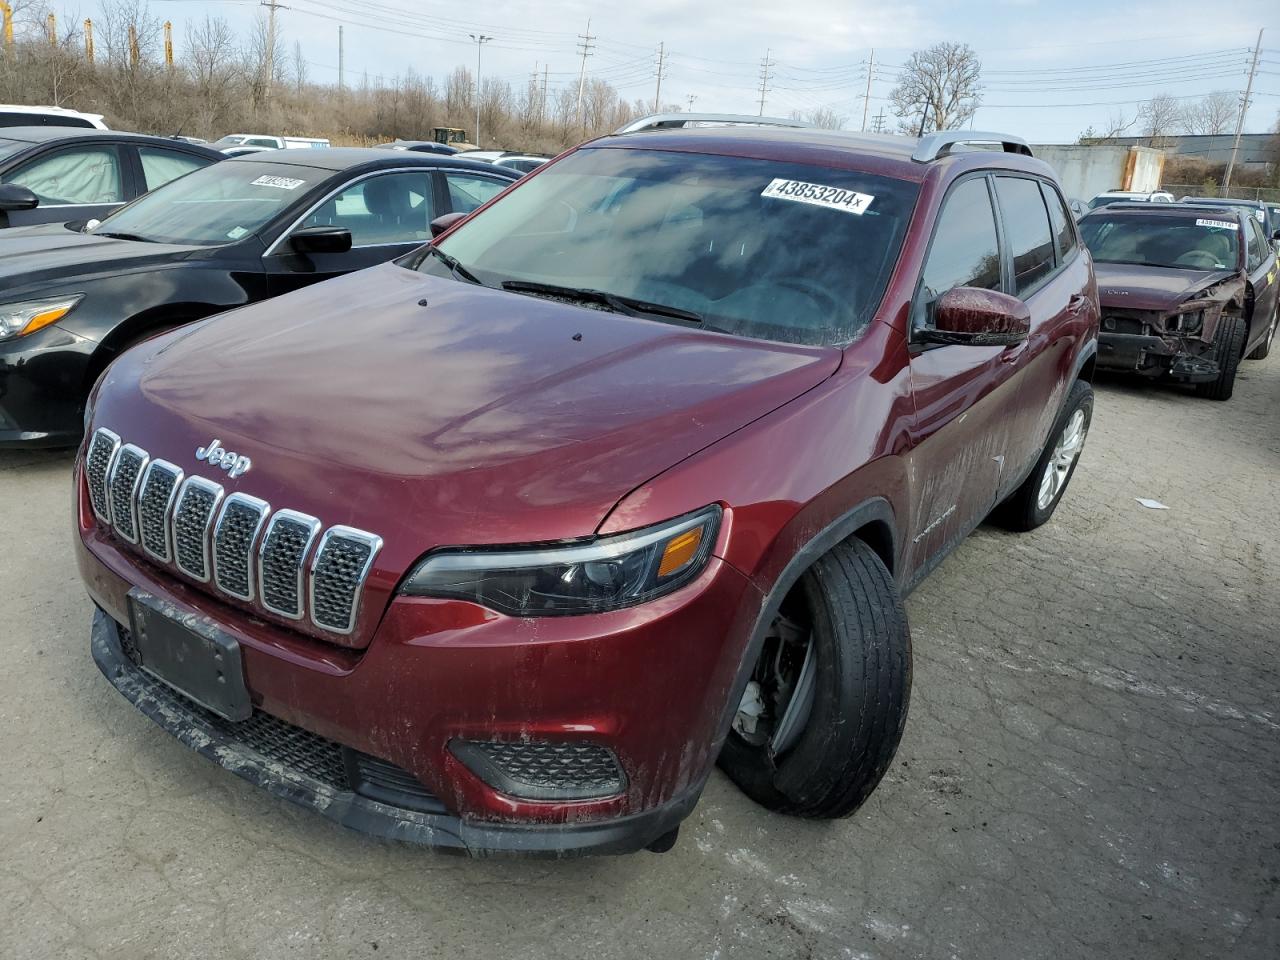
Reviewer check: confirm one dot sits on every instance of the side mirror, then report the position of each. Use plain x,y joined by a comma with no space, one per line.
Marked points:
16,197
440,224
321,240
1276,236
978,318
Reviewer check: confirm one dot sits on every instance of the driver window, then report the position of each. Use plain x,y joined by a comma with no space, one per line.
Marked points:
74,176
392,208
964,252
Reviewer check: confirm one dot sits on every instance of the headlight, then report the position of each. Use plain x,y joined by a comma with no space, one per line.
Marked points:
20,319
604,574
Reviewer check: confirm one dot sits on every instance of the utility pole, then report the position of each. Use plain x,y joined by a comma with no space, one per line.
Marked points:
272,6
6,12
340,64
135,52
480,40
691,97
584,48
866,100
765,64
51,27
1244,108
168,44
88,41
662,63
877,122
542,113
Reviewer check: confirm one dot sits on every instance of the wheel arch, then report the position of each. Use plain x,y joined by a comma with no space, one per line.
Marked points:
145,323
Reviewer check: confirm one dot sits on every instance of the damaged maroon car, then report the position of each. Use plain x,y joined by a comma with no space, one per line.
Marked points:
1186,291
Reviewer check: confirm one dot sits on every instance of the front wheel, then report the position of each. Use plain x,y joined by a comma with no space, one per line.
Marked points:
824,710
1033,503
1228,345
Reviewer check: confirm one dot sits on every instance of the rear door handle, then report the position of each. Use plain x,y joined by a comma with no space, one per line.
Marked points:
1077,302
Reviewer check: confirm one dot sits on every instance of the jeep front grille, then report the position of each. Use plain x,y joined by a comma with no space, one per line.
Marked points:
125,472
235,542
337,574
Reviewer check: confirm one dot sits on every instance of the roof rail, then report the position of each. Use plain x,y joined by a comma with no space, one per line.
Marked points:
934,145
666,121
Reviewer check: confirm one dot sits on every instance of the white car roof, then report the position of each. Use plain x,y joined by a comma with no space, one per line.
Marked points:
94,118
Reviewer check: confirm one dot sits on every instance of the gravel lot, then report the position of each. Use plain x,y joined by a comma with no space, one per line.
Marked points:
1091,767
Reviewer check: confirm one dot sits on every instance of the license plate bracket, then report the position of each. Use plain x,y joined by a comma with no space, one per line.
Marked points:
189,654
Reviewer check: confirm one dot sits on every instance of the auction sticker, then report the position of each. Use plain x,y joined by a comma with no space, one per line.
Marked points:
833,198
1222,224
283,183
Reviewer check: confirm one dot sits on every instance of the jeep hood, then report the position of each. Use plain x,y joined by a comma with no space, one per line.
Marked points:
478,417
1135,287
51,252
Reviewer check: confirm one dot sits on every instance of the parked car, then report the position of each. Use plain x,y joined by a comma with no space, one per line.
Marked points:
57,174
1187,290
1268,216
1126,196
523,162
421,146
233,233
499,546
17,115
268,142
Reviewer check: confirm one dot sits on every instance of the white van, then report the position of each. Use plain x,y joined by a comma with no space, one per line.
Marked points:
16,115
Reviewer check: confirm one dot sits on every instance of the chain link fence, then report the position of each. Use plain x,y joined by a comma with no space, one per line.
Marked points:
1180,190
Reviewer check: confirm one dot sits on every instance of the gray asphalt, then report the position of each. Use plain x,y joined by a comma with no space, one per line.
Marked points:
1091,767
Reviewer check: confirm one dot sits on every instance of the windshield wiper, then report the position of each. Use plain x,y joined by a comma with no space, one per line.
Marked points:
121,236
630,306
454,266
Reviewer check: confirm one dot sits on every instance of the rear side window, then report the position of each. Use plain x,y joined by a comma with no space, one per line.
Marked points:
1257,244
41,120
1060,219
160,166
468,191
1026,228
965,252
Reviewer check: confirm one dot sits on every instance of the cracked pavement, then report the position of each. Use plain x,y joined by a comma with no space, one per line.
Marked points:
1090,769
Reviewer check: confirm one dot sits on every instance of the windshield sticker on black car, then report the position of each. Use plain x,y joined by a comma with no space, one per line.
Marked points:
1221,224
284,183
833,198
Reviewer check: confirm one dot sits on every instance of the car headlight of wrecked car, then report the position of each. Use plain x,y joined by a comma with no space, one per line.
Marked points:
556,580
20,319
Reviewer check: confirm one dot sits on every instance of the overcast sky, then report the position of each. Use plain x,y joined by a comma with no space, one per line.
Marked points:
1049,70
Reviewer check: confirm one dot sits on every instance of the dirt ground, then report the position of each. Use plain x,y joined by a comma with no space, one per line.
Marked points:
1091,767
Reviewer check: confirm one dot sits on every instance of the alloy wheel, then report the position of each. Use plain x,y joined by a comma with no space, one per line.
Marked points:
1065,453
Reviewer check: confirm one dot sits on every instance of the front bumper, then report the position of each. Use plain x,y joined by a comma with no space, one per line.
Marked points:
1154,356
43,387
322,776
649,683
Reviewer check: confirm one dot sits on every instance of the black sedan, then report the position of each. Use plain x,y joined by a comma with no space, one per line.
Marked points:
236,232
56,174
421,146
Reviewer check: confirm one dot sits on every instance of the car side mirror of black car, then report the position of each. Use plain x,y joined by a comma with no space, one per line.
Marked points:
442,223
14,196
970,316
321,240
1276,236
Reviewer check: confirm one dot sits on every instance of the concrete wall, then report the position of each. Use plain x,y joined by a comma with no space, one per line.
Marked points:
1087,171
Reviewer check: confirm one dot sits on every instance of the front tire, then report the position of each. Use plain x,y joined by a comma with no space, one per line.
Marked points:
1033,503
825,732
1228,345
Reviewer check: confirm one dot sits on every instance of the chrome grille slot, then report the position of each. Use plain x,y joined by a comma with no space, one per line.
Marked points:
197,502
337,575
125,473
234,536
97,468
155,502
284,548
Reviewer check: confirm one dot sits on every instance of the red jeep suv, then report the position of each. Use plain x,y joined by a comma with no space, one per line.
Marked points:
501,546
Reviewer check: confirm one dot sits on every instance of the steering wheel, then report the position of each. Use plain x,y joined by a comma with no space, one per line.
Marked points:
1197,258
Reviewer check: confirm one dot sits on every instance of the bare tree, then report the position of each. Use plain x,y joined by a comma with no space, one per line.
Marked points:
824,118
299,68
938,88
1159,118
1116,126
1212,114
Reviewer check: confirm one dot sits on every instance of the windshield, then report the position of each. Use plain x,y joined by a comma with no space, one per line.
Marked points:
778,251
220,204
1178,242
